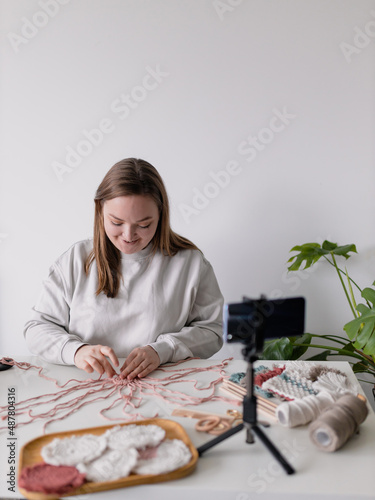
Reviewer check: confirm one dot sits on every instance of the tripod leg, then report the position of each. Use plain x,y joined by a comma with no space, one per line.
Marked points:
263,423
220,438
275,452
249,435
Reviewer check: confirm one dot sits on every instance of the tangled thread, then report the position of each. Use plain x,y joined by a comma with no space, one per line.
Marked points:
128,393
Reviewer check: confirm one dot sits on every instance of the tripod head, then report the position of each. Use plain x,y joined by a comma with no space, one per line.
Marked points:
254,320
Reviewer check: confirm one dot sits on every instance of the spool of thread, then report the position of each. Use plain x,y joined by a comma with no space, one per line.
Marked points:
337,423
304,410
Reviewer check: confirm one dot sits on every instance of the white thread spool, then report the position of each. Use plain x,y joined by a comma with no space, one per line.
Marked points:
302,411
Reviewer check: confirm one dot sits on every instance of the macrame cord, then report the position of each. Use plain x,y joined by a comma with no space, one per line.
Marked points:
128,392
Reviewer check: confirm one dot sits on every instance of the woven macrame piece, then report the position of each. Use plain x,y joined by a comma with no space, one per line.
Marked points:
171,454
300,368
73,450
290,386
334,383
301,379
134,436
113,464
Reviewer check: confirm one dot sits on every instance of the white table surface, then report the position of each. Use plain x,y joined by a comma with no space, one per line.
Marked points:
231,470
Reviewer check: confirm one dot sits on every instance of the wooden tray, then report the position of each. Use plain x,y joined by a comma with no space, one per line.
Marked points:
30,455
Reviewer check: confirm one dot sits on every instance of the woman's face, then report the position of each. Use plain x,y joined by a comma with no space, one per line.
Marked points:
130,222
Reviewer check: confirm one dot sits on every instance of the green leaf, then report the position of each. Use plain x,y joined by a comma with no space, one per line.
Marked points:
370,345
308,253
369,295
348,347
362,330
364,333
328,245
312,252
362,308
352,328
360,367
299,350
344,250
277,349
305,246
322,356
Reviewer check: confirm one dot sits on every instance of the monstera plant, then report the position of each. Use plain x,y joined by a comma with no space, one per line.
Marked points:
359,346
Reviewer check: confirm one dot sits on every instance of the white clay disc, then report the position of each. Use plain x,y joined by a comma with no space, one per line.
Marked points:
134,436
73,450
113,464
171,454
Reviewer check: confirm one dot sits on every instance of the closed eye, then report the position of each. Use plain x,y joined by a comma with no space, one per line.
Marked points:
120,223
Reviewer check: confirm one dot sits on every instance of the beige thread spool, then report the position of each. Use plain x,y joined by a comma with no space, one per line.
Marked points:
337,423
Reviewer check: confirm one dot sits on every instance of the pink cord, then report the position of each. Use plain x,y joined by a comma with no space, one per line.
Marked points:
128,392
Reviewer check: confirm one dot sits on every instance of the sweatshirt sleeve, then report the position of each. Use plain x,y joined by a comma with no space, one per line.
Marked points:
202,336
46,333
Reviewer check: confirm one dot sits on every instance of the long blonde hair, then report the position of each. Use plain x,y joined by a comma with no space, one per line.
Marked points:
130,177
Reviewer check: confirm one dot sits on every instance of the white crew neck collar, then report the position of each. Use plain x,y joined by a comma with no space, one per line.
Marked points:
142,254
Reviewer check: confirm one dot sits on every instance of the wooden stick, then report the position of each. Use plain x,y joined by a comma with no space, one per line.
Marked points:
241,391
183,412
269,409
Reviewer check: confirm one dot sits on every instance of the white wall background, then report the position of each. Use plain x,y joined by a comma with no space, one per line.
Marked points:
226,68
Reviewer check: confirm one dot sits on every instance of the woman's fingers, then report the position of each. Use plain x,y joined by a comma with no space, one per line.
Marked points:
110,353
102,359
94,357
140,362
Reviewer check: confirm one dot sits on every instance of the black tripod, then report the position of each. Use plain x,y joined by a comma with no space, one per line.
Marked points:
250,417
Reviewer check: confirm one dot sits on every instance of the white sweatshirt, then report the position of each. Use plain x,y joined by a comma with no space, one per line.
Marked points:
173,304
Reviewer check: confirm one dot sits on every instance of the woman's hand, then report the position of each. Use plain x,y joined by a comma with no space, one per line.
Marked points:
94,357
140,362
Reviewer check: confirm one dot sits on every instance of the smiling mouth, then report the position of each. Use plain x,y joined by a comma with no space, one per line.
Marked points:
130,242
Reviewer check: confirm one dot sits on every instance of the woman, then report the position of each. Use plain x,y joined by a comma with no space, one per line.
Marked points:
137,290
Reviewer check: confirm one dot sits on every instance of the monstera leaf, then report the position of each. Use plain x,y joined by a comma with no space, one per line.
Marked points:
362,330
312,252
277,349
286,347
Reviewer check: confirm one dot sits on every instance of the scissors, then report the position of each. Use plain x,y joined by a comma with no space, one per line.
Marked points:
216,425
235,414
